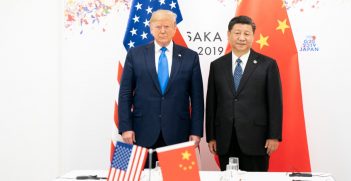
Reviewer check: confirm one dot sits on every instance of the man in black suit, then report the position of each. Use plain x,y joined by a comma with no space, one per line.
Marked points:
244,102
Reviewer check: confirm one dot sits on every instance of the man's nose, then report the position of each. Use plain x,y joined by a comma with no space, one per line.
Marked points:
163,29
241,37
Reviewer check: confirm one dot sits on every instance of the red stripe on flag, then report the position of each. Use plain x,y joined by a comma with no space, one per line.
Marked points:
118,173
123,175
109,173
178,39
116,114
141,163
116,125
112,174
119,72
131,162
135,163
112,150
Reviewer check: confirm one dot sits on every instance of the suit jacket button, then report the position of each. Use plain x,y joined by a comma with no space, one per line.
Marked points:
160,116
163,98
236,100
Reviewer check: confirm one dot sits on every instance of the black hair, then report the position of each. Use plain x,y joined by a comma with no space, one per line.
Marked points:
241,20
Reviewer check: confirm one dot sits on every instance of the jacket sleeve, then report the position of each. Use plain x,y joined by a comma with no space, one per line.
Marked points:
197,99
211,106
125,96
275,102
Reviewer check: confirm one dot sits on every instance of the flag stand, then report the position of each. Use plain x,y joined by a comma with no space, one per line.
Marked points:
150,162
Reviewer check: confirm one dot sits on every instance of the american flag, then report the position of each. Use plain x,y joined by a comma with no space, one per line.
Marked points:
127,163
138,33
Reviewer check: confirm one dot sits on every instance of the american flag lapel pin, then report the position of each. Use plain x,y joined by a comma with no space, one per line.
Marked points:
255,61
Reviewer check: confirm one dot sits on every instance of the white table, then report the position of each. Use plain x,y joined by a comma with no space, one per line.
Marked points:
216,175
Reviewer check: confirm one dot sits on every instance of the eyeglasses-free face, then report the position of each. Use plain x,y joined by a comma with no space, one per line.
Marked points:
163,30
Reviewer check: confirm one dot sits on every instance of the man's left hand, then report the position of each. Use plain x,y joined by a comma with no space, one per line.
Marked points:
196,139
271,145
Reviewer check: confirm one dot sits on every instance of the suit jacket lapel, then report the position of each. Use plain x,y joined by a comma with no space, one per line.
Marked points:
150,63
250,67
176,64
227,70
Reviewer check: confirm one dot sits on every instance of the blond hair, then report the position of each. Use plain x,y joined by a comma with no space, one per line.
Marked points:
161,14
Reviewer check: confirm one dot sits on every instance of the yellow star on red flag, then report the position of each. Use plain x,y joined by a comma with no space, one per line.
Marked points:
263,41
282,25
178,163
186,155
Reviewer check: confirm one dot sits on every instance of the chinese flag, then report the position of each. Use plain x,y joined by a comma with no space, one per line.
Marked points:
178,162
274,37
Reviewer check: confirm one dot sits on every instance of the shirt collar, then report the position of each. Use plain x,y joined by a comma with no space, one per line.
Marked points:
244,58
169,47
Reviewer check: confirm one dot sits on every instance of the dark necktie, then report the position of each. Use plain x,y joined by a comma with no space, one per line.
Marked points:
238,72
163,70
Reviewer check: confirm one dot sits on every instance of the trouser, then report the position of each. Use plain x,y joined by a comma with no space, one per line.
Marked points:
255,163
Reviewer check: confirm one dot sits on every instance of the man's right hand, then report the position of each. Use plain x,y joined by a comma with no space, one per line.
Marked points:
128,137
212,145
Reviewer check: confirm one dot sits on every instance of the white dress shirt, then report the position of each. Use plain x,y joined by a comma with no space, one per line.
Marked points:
243,59
169,53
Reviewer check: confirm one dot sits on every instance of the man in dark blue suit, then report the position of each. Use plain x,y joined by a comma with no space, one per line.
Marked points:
161,83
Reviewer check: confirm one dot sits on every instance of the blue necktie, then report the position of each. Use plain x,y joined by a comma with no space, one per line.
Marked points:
163,70
238,72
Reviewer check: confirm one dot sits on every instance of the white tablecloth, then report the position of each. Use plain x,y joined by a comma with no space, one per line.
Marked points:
216,175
